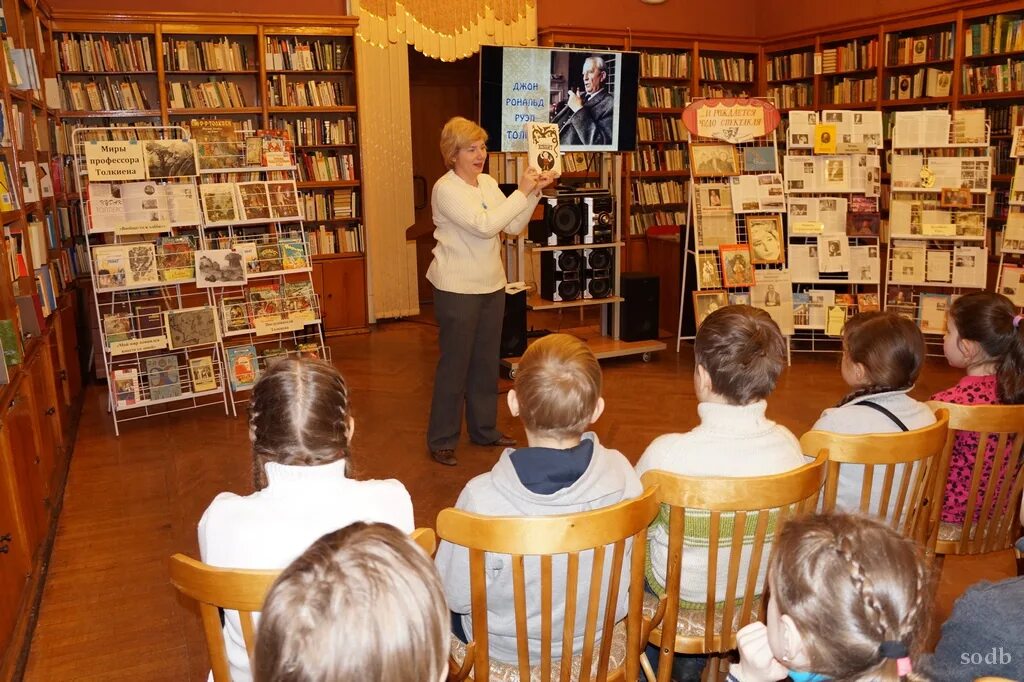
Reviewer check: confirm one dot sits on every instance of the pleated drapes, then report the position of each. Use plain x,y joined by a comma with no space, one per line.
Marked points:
441,29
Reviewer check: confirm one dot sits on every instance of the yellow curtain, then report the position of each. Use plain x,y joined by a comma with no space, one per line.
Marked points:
441,29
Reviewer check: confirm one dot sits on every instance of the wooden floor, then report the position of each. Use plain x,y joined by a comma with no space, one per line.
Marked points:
109,612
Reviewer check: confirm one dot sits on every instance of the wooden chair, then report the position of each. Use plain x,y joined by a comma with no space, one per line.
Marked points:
603,535
238,590
764,503
991,523
918,453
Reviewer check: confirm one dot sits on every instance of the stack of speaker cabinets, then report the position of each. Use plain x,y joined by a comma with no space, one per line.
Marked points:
576,219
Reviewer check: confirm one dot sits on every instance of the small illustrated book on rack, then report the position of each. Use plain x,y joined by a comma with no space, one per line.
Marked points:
543,151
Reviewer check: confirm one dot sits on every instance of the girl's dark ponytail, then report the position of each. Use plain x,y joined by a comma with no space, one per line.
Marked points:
1011,366
992,321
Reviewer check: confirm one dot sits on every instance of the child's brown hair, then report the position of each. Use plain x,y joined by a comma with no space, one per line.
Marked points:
743,352
889,347
362,603
991,320
851,583
558,384
299,414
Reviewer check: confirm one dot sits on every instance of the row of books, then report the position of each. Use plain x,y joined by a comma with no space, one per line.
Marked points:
921,83
1003,117
103,95
342,203
299,55
666,65
792,96
917,49
659,192
640,222
325,240
213,94
265,252
660,128
795,65
1001,33
648,96
317,131
64,133
245,365
283,93
727,69
652,159
854,55
160,378
982,80
206,55
851,90
92,54
325,166
22,69
718,90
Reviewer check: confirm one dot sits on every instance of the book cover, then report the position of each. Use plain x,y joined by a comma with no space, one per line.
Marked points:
203,376
235,313
242,368
737,270
32,320
867,302
219,203
265,300
149,320
111,266
176,259
298,298
191,327
308,350
283,201
170,158
272,356
142,263
276,148
117,325
8,198
144,203
254,200
293,253
182,204
269,257
164,380
217,143
543,152
126,387
11,343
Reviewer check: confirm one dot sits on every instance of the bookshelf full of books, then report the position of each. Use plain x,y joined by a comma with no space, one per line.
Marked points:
833,180
918,65
726,74
941,177
790,77
1010,273
849,69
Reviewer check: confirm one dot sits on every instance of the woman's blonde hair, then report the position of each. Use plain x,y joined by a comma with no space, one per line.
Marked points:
558,384
362,603
299,415
457,134
851,583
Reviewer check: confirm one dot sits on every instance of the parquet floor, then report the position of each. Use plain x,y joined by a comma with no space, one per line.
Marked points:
109,612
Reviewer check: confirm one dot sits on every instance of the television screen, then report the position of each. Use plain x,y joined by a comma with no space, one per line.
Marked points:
589,94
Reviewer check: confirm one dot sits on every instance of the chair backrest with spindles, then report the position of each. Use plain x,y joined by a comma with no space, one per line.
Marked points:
238,590
598,540
991,519
755,508
906,463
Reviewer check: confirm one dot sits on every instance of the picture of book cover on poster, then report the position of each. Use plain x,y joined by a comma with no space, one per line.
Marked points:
589,95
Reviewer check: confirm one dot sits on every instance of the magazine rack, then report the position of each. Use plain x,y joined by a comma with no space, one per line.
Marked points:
708,220
929,261
161,348
1010,278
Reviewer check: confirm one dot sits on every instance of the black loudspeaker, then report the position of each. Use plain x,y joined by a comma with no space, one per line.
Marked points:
563,223
513,326
638,314
600,220
562,275
600,271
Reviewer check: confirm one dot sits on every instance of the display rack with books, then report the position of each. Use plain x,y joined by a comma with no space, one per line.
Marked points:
918,64
941,177
833,181
160,333
1010,274
734,238
258,266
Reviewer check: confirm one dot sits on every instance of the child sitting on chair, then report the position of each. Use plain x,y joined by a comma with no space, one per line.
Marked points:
362,603
563,470
739,353
850,600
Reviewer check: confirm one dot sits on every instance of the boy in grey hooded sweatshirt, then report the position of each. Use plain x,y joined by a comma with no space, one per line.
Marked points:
563,470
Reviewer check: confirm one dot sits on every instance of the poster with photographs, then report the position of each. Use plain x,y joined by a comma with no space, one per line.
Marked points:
970,267
219,268
970,224
758,193
1013,233
865,264
284,202
833,253
707,302
714,197
707,270
773,293
764,234
908,263
820,301
219,203
254,200
1011,284
800,134
170,158
931,313
145,203
713,159
104,206
716,228
191,327
803,262
737,270
182,204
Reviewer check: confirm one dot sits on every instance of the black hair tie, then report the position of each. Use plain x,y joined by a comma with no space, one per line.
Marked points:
893,649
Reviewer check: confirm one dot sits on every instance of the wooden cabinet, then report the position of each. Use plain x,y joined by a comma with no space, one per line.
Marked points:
18,462
49,435
15,560
340,282
67,344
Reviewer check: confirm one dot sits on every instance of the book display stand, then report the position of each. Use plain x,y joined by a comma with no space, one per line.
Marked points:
734,236
941,175
832,221
1010,275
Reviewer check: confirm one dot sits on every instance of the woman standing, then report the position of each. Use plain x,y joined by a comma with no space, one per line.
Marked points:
470,212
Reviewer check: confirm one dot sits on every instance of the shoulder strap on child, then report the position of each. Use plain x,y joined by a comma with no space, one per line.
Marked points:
875,406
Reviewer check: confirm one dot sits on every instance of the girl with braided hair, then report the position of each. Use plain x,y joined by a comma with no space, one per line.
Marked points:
300,426
882,358
850,601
